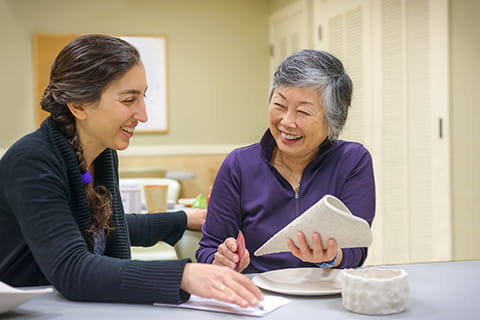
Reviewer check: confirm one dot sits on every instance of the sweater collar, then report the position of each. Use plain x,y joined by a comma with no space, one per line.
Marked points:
64,149
268,145
77,196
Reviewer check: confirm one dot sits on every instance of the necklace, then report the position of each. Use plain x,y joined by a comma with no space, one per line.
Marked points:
291,176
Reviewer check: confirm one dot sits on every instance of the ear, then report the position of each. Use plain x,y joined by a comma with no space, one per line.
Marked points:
77,109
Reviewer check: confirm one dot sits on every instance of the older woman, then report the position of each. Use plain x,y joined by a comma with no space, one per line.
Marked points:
261,188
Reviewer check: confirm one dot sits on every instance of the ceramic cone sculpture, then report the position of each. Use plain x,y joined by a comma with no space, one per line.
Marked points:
329,217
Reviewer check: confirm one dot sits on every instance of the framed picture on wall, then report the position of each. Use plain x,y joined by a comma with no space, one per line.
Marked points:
153,52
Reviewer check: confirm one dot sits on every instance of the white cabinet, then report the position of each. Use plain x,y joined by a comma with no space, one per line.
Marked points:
344,28
396,52
288,32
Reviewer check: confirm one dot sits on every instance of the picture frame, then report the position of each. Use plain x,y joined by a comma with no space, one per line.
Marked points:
153,52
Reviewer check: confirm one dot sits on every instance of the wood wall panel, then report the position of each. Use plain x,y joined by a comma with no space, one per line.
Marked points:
204,167
45,48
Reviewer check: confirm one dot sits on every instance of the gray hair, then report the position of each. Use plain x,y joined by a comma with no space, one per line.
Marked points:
325,73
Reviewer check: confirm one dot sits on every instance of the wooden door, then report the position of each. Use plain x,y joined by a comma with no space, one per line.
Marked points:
45,48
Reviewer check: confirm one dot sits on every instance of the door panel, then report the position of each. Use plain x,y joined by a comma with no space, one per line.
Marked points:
388,47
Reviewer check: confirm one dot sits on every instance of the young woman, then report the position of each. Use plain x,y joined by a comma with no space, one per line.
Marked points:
61,216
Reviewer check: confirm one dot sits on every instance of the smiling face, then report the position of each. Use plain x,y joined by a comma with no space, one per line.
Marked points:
111,121
297,122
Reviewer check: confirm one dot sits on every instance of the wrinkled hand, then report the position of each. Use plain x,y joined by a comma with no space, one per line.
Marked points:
316,254
227,255
195,218
221,283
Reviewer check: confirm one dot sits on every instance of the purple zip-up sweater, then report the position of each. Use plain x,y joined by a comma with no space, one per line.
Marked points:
249,194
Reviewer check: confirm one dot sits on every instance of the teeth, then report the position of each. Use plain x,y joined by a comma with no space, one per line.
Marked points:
127,129
289,137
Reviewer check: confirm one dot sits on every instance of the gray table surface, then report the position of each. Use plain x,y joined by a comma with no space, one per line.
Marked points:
442,290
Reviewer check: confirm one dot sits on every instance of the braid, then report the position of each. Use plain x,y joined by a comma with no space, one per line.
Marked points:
99,198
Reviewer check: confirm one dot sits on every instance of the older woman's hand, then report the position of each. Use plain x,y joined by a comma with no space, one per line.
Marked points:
220,283
316,254
195,218
228,256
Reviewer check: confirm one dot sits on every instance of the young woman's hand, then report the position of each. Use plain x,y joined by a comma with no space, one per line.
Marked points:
195,218
221,283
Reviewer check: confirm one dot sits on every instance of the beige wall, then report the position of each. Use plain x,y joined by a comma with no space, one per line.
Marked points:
275,5
217,61
16,81
465,128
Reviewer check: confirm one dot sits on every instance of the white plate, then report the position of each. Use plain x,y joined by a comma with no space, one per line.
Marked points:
11,297
301,281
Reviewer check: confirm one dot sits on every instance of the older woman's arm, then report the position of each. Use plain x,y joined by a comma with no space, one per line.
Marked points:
223,218
358,195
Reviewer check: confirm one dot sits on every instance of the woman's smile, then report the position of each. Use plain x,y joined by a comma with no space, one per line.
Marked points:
290,138
128,130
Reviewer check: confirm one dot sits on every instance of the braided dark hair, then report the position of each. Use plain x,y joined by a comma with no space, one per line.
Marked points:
80,73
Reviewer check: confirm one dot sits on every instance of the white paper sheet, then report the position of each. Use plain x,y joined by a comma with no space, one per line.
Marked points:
269,304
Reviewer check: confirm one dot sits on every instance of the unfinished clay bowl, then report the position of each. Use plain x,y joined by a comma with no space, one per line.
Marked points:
375,291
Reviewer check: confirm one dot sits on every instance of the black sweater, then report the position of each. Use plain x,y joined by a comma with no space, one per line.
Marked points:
43,217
